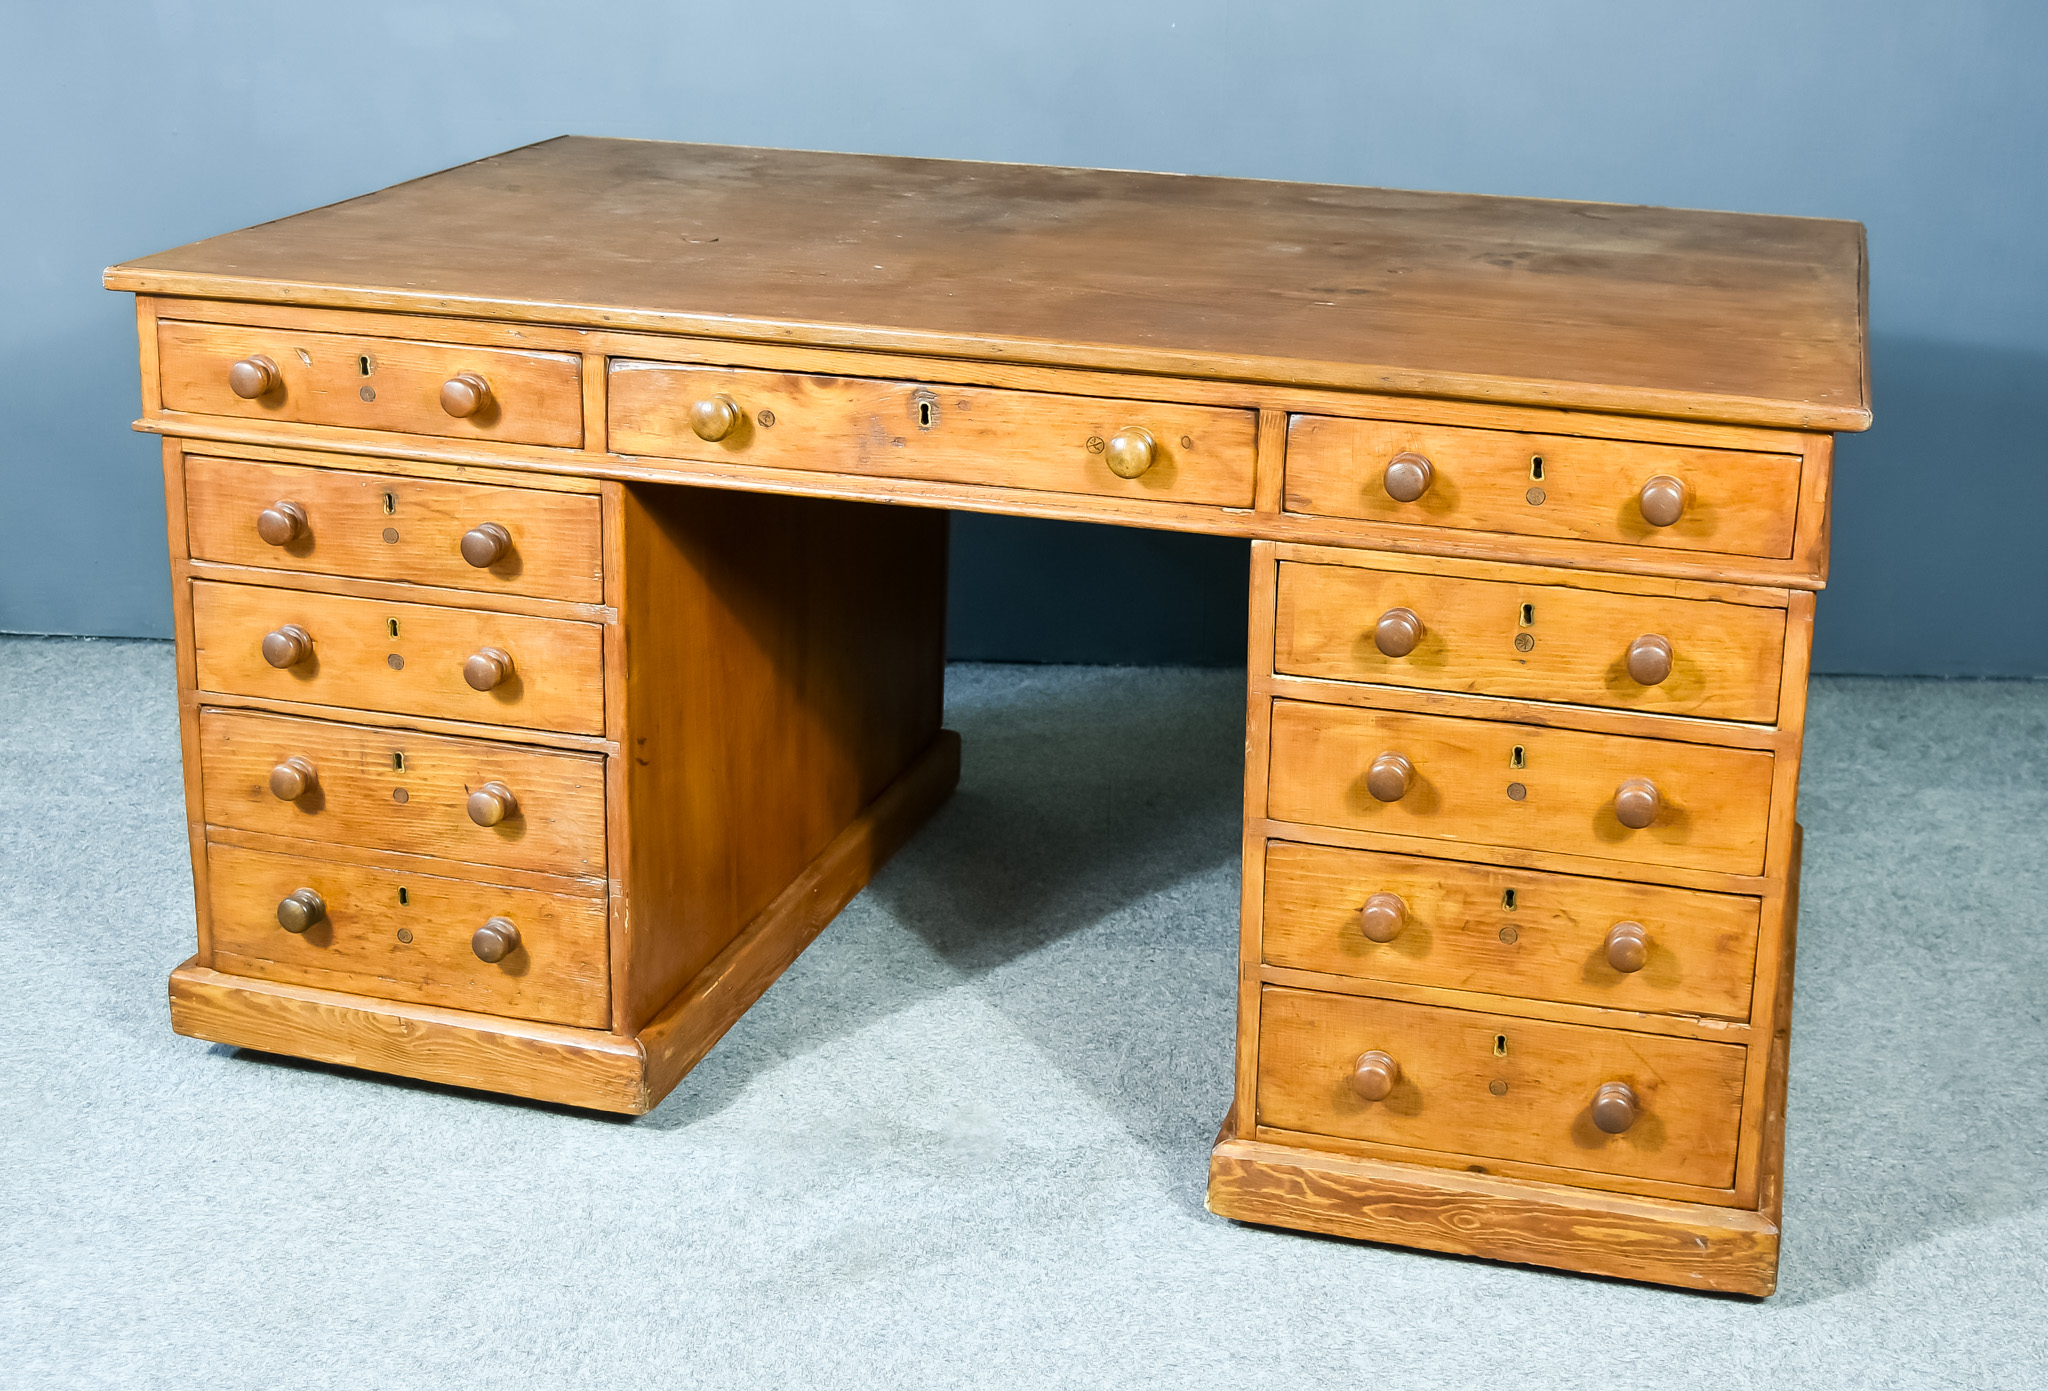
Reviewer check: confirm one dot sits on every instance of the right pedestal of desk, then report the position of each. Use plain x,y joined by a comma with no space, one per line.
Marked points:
1521,863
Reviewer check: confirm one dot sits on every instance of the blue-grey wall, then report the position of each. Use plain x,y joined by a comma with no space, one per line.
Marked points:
130,127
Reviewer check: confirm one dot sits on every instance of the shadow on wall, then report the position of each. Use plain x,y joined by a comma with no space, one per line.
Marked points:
1939,565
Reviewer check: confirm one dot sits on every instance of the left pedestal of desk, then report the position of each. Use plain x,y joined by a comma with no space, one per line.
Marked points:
529,782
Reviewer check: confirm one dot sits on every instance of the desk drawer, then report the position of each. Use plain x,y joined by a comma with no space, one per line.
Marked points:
1531,641
404,658
371,383
399,935
1735,502
395,789
382,527
1488,783
1500,1087
1512,932
948,434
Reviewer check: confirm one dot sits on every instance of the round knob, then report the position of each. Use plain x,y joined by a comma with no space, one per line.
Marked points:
299,910
486,545
288,646
1662,500
495,940
1382,917
281,523
465,394
1374,1075
293,779
713,419
1636,802
1131,451
1389,777
1615,1107
1649,659
488,669
253,377
1628,947
1408,476
1397,632
492,803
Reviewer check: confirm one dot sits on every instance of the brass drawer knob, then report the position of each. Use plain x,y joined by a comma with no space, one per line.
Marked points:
1408,476
495,940
713,418
288,646
281,523
1374,1075
1628,947
492,803
1615,1107
299,910
1131,451
484,546
1390,777
1649,659
293,779
465,394
253,377
1382,917
1636,802
1397,632
1662,500
488,669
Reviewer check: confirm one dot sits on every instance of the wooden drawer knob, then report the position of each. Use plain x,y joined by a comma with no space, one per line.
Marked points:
1628,947
293,779
1662,500
1390,777
1408,476
492,803
1131,451
1374,1075
1636,802
486,545
1615,1107
1383,917
299,910
1397,632
253,377
465,394
281,523
714,418
489,669
288,646
1649,659
495,940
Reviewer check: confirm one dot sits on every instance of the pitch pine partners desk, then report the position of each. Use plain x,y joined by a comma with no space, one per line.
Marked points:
559,550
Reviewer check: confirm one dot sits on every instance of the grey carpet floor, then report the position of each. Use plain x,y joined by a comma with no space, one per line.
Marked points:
962,1142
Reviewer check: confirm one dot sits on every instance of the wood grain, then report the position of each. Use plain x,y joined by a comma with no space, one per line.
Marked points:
556,682
1500,1086
380,527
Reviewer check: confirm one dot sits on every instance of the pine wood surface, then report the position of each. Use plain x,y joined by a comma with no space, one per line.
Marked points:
409,530
1713,315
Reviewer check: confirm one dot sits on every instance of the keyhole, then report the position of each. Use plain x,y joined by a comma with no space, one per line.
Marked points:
1507,899
390,503
1500,1041
391,625
398,766
1536,469
1517,759
364,364
404,899
924,414
1528,615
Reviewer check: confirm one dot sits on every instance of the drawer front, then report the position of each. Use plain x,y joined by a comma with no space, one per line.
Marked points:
379,527
397,935
1532,641
948,434
403,658
1510,932
394,789
373,383
1736,502
1712,807
1500,1087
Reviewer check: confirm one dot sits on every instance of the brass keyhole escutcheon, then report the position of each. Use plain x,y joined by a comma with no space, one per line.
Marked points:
1500,1045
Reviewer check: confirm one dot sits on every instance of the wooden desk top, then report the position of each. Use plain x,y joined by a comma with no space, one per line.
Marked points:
1715,316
